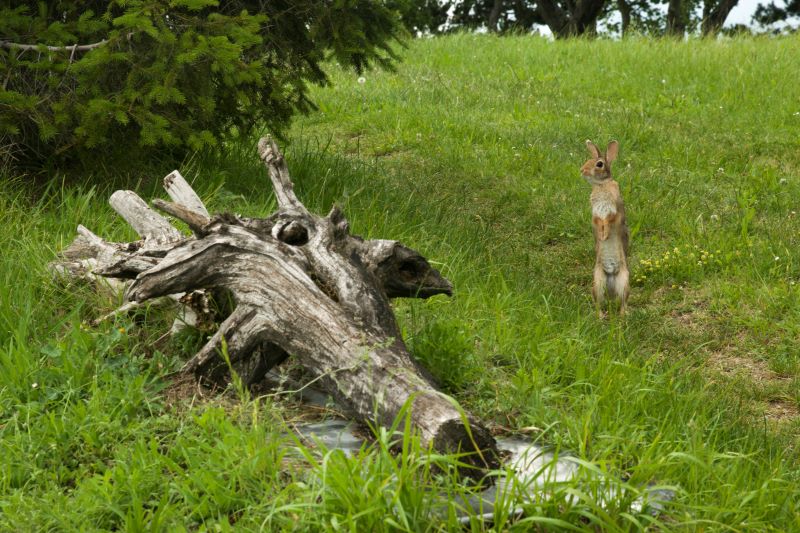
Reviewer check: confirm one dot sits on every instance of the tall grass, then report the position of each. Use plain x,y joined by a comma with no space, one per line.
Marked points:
470,154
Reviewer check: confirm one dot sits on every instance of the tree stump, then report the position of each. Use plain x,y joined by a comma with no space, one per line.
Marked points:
300,285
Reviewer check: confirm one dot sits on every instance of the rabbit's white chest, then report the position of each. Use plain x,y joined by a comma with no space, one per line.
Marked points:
604,207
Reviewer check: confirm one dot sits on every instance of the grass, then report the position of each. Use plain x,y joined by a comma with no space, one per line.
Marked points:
470,154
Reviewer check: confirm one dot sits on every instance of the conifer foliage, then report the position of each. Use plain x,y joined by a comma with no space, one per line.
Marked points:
80,77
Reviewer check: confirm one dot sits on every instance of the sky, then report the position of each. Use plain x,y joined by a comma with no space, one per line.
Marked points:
743,12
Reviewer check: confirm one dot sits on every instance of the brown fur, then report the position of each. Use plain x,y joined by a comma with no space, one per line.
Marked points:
611,233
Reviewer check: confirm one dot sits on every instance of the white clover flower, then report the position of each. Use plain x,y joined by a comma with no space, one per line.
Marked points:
777,258
714,217
362,80
783,181
34,385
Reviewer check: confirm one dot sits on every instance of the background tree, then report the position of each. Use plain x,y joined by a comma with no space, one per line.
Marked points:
681,16
771,13
565,18
677,18
494,15
81,78
421,16
715,13
643,16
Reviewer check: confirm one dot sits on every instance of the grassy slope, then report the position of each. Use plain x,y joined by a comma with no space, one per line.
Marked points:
469,153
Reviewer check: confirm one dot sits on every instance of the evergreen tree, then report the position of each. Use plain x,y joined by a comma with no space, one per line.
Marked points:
81,77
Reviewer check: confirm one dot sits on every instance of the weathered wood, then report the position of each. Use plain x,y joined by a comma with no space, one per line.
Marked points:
182,193
150,226
402,272
92,258
271,155
301,285
195,220
89,256
368,373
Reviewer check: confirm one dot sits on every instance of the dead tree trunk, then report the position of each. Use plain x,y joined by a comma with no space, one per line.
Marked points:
301,286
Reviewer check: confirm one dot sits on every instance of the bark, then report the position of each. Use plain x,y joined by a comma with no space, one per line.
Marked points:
625,10
182,194
300,285
555,17
494,15
715,13
676,23
572,18
154,229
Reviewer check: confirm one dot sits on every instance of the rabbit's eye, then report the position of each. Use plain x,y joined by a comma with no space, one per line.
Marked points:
599,164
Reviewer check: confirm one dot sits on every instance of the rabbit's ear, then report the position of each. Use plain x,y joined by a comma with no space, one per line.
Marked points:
612,151
595,151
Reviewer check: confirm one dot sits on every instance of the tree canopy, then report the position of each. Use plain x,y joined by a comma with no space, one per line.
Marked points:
772,12
567,18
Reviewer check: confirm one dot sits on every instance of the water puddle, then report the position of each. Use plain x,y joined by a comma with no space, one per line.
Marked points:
533,472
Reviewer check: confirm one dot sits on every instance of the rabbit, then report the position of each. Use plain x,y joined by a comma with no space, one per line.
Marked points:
610,229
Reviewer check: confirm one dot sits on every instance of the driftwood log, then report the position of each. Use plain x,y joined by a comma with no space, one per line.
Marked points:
292,284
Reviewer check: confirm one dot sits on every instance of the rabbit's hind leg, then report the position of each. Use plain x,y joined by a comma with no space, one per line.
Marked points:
619,288
599,289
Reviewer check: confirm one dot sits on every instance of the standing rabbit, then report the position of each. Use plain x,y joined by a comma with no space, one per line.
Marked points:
610,230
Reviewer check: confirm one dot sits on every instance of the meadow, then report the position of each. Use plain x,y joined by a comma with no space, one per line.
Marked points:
469,153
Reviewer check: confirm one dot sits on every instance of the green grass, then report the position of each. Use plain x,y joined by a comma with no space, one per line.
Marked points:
470,154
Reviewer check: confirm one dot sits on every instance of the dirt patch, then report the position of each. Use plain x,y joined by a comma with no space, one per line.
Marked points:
692,315
184,391
728,358
730,365
781,411
727,363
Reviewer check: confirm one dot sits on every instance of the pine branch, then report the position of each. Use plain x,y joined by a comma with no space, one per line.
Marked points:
73,48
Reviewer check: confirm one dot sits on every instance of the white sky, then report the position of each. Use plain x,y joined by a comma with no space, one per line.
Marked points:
743,12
